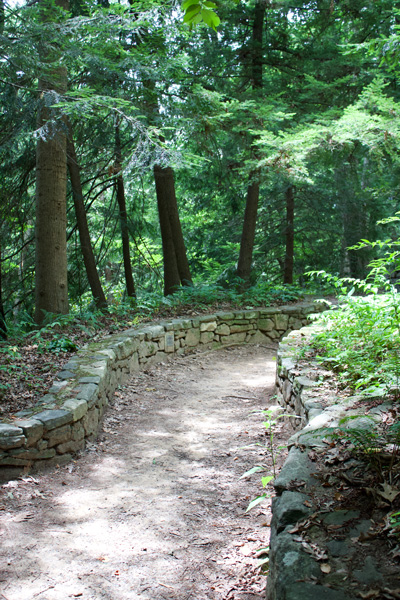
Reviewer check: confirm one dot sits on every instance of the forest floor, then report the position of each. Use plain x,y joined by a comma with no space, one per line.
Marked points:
155,509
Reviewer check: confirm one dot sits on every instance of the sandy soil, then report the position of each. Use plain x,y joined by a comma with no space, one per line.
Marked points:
155,508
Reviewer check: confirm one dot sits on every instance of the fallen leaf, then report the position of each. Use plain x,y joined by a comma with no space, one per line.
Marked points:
325,568
369,594
389,492
393,593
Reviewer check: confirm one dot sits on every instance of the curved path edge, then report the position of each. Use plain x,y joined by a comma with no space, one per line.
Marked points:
61,422
314,548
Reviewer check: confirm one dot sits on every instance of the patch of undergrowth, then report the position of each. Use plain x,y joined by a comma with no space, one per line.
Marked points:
124,312
359,339
360,342
377,444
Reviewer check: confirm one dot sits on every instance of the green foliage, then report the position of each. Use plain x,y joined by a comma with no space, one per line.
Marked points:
61,343
360,338
8,354
204,295
198,11
273,415
325,120
376,444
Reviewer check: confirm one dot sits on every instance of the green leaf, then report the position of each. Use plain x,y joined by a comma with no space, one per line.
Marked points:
185,5
194,7
262,561
210,18
192,13
265,480
256,501
256,469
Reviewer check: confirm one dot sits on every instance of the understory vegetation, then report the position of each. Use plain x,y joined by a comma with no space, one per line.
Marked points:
359,337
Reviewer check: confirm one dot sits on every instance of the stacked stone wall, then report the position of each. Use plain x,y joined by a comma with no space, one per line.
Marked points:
71,412
306,392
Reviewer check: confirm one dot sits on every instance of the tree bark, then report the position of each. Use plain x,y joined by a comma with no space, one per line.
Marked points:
3,326
172,277
51,280
249,231
176,265
253,190
289,235
120,191
164,178
351,202
81,220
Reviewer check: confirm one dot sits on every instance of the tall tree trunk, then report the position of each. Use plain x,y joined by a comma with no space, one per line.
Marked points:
3,326
120,191
353,212
249,231
164,179
172,277
176,265
81,219
51,281
2,16
289,235
253,190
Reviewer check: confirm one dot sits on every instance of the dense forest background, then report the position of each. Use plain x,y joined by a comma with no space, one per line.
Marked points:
142,150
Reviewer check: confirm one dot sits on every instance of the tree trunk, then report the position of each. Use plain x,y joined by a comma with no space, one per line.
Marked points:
51,280
249,231
120,191
353,212
164,177
81,219
2,16
289,235
3,326
176,265
172,278
253,191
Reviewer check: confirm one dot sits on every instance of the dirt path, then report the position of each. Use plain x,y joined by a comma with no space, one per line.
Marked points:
155,509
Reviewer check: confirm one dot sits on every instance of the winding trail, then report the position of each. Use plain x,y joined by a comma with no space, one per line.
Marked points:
155,508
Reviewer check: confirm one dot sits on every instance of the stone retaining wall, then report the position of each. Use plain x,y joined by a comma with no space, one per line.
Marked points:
300,539
71,412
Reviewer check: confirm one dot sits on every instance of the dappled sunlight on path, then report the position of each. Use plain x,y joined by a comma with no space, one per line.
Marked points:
155,509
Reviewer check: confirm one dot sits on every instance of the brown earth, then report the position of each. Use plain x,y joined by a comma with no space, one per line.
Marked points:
155,509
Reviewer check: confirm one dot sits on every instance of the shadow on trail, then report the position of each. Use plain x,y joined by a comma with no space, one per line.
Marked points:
155,509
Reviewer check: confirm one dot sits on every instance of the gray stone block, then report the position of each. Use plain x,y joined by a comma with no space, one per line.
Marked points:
223,329
290,508
11,436
208,326
71,446
235,338
192,338
54,418
58,435
89,393
77,406
297,468
33,430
